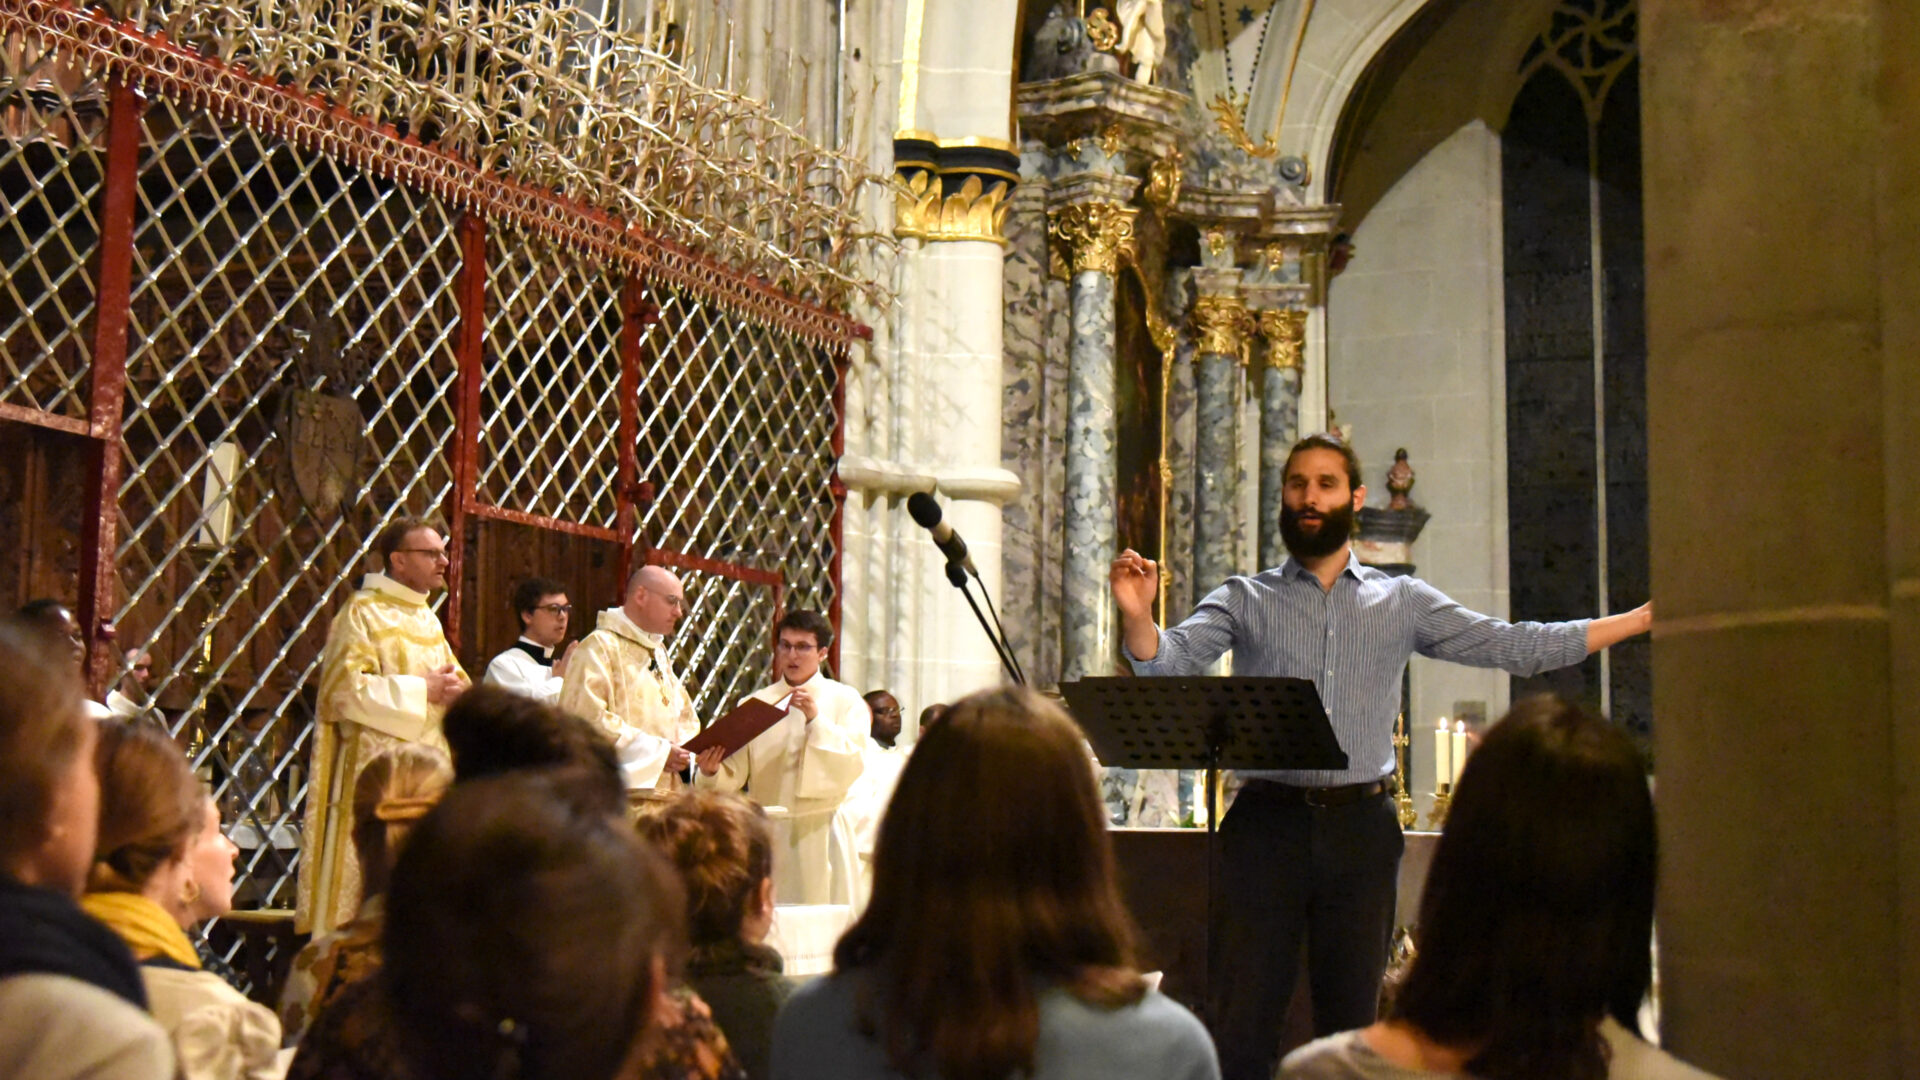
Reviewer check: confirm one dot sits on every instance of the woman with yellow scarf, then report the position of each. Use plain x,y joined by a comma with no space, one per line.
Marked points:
162,866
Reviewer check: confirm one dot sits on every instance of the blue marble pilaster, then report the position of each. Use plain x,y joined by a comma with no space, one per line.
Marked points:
1030,521
1279,429
1216,489
1091,525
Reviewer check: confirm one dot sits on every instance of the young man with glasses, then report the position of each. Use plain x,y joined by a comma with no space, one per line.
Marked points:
805,763
530,667
386,677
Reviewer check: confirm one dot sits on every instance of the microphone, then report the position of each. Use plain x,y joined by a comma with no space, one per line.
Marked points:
926,514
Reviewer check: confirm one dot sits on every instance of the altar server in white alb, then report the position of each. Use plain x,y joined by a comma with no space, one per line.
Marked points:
535,666
804,763
621,678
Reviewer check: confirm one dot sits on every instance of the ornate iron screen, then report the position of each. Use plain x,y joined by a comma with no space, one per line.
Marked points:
254,307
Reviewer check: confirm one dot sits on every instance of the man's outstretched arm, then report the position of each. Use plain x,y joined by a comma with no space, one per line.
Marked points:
1615,629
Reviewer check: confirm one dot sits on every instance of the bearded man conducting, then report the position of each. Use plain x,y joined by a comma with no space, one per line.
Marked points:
1314,856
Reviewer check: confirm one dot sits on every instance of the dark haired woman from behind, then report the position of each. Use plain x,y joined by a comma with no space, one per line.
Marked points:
71,1000
996,944
529,934
1536,925
723,848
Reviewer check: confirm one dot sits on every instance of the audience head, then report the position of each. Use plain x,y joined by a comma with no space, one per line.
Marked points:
1538,912
491,730
886,716
801,641
49,792
139,674
654,599
974,900
159,829
529,933
413,552
931,715
723,848
544,611
395,790
55,619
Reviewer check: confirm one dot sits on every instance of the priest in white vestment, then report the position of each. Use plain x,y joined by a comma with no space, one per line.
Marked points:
621,678
386,678
804,763
535,667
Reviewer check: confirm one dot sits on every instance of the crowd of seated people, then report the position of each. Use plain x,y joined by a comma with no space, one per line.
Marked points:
516,923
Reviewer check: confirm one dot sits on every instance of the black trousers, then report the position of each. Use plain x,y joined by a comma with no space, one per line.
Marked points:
1291,873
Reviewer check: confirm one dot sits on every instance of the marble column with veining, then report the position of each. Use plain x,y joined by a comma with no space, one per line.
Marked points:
1031,520
1220,325
1091,528
1283,332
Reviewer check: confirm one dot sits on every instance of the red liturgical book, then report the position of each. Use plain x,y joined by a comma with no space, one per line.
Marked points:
739,727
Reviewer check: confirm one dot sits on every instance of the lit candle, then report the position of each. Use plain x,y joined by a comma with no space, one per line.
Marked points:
1459,749
1442,755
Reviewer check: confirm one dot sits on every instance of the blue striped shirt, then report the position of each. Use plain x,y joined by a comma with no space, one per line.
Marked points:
1353,641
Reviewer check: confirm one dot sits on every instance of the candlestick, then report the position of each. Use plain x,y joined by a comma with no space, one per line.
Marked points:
1442,799
1402,747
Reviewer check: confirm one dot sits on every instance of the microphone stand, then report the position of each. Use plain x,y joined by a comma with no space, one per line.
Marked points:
1019,676
957,575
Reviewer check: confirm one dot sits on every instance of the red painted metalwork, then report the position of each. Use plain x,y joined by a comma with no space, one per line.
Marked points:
470,350
680,561
636,314
119,202
751,575
838,487
24,415
541,521
97,40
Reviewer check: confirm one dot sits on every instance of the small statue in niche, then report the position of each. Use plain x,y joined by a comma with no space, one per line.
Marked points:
1400,481
1143,36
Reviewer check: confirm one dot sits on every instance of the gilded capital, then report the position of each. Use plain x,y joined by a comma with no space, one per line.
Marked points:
1221,324
1286,334
975,212
1097,234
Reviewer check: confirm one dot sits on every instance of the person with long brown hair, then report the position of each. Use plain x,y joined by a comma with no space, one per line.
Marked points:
996,943
529,934
397,788
71,1000
723,847
1536,925
162,866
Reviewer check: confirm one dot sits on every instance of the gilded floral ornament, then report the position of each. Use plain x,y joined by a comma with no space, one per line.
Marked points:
1102,32
1221,323
1286,334
1231,116
1164,178
1098,235
975,212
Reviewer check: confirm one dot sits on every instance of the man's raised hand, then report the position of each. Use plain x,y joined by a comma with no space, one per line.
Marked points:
1136,584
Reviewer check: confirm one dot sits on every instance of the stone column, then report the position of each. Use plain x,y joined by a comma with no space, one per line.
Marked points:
1220,327
1285,333
1096,233
1785,531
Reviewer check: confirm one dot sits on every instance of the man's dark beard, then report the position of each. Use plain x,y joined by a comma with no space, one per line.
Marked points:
1336,528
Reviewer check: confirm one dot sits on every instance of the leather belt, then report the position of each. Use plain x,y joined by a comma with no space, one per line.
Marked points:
1324,798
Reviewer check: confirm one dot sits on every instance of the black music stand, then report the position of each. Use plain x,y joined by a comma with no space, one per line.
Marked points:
1206,723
